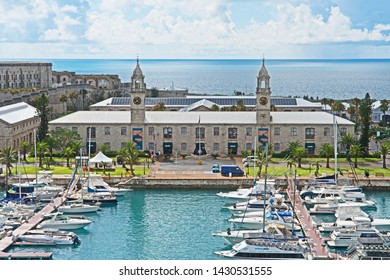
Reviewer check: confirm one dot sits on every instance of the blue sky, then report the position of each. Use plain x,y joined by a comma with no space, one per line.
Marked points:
194,29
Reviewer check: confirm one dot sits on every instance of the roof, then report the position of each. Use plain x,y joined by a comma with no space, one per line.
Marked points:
205,117
94,117
17,112
204,102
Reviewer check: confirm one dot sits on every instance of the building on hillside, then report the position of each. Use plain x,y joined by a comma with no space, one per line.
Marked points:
25,75
377,113
17,124
204,131
97,81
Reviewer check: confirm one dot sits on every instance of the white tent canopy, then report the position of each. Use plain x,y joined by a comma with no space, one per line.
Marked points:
99,158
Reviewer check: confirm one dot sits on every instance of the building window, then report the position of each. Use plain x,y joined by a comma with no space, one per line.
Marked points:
75,129
123,130
232,133
183,131
343,131
216,147
277,147
248,147
310,133
183,147
277,131
326,131
248,131
216,131
200,132
107,130
167,132
151,146
91,130
151,131
293,131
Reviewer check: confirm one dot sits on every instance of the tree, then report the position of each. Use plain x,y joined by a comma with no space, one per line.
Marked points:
338,107
214,107
7,157
63,138
42,148
348,140
299,153
68,152
292,146
240,105
160,106
24,146
365,111
384,106
356,151
41,103
63,99
327,150
104,148
129,155
384,150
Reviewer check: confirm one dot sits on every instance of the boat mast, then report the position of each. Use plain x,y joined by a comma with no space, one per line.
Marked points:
81,174
265,183
20,176
35,156
335,147
89,155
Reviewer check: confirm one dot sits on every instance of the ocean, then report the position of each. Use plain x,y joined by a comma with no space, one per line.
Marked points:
338,79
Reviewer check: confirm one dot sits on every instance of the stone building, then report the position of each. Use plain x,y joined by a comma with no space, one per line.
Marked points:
97,81
25,75
204,131
17,124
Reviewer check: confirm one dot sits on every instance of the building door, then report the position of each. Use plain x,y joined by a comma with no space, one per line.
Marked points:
310,147
232,148
167,148
200,149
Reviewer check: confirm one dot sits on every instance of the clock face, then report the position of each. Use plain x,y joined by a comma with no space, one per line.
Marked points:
137,100
263,100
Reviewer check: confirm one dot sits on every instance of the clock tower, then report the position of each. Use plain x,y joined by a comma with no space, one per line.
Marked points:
137,94
263,97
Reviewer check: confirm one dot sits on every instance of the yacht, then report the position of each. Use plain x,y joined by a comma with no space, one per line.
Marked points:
97,184
257,204
264,249
49,237
64,222
368,252
342,238
258,190
78,207
272,232
382,225
280,218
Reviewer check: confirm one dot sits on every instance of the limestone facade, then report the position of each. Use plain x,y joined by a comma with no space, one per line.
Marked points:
25,75
97,81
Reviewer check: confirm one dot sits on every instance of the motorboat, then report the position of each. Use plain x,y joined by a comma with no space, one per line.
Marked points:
265,249
65,222
350,210
49,237
368,252
78,207
97,184
383,225
259,189
280,218
257,204
272,232
105,198
342,238
313,187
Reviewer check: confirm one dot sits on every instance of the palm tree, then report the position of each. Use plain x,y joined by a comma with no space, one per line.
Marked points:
42,148
68,152
384,106
327,150
292,146
7,157
338,107
299,153
129,155
356,151
384,150
24,147
348,140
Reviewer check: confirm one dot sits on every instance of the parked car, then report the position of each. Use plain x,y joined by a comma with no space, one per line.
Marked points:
216,168
231,170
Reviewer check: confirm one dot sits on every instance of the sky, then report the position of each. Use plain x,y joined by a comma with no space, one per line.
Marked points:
198,29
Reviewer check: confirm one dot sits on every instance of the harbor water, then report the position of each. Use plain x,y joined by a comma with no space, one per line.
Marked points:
162,224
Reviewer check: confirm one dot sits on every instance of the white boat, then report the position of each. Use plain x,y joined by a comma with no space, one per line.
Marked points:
348,211
64,222
78,207
379,224
342,238
97,184
50,237
279,218
272,231
258,190
270,250
257,204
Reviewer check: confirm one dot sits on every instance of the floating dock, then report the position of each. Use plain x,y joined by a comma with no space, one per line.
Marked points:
318,248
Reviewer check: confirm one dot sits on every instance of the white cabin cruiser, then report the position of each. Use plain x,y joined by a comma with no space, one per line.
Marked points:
270,250
258,190
379,224
78,208
366,236
64,222
97,184
50,237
